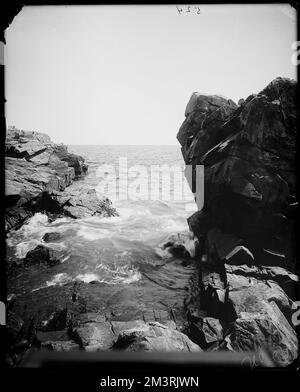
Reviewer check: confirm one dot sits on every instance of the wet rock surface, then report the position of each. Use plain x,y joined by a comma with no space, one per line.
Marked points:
51,237
43,255
153,336
149,314
248,270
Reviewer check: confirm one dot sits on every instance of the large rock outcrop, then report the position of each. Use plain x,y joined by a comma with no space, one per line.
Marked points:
248,269
37,172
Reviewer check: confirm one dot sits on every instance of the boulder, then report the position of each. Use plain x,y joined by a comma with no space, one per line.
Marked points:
94,336
253,331
180,245
206,332
44,255
52,237
153,336
208,108
249,294
284,278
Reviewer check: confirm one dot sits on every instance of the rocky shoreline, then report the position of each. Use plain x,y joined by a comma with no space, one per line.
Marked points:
37,173
236,293
145,315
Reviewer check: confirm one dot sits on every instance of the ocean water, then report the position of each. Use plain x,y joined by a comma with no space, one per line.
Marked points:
112,250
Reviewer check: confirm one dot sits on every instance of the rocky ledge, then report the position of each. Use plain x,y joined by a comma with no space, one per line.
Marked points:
37,173
246,284
148,315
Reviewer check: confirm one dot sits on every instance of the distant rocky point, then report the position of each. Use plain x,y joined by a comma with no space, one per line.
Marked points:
37,173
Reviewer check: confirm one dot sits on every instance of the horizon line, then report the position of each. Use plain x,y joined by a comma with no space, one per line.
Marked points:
69,144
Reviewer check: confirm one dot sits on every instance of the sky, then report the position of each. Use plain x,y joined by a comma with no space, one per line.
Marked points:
124,74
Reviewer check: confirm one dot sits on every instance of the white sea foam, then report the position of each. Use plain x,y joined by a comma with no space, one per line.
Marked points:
163,253
125,213
121,274
171,225
93,234
22,248
59,279
30,235
32,227
99,220
88,277
37,220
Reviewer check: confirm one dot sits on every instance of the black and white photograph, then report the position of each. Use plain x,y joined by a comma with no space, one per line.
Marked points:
151,190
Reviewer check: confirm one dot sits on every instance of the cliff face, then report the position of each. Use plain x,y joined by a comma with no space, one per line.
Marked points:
37,172
246,226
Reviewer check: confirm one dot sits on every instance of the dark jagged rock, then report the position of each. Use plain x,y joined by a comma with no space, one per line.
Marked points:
10,300
246,277
52,318
14,325
270,331
37,173
94,336
44,255
153,336
206,331
239,256
75,161
250,172
199,223
207,111
285,279
50,237
78,202
180,245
